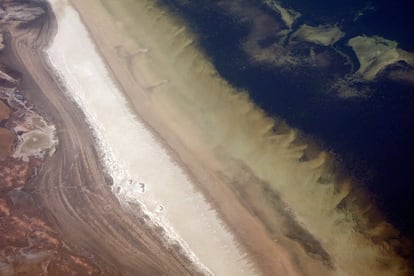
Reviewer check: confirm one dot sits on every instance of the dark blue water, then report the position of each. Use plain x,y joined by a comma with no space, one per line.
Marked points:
373,136
390,19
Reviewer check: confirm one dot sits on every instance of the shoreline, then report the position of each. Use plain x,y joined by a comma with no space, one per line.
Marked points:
170,106
71,184
257,239
123,179
222,174
118,174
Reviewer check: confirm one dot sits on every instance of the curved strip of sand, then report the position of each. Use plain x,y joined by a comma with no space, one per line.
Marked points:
142,170
280,198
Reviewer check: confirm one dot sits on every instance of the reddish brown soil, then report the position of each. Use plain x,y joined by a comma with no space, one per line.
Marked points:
28,246
4,111
6,143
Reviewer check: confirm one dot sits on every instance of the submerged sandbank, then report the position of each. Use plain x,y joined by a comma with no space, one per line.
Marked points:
325,35
375,53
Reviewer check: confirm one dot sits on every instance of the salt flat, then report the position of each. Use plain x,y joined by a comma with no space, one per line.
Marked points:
141,167
231,184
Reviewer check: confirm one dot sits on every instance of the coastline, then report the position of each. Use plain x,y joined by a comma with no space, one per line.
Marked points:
272,255
72,189
127,187
192,133
186,145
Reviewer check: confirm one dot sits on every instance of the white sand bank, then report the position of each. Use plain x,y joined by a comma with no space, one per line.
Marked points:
140,166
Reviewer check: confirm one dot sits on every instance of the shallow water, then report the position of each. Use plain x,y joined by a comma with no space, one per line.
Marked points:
371,133
283,174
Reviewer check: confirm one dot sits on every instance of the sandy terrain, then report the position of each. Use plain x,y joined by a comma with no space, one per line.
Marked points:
281,196
6,142
4,111
142,170
72,188
180,174
28,243
6,136
141,84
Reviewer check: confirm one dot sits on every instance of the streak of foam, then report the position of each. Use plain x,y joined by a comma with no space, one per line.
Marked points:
134,156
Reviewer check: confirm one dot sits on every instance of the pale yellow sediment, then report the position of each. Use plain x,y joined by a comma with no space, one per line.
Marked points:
217,132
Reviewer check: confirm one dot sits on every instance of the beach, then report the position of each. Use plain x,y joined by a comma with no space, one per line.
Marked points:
250,189
164,168
143,172
205,233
